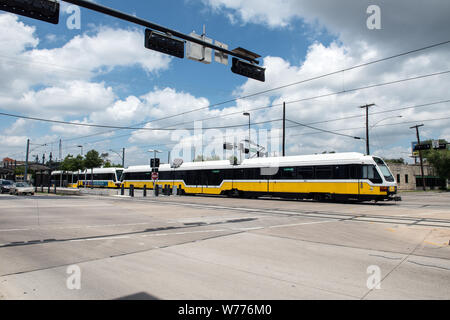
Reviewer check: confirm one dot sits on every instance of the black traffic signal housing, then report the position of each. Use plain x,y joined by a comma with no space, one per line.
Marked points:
44,10
248,70
163,43
155,163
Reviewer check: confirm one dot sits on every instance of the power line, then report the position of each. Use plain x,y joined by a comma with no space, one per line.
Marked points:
382,125
117,127
324,131
309,133
307,80
296,83
332,94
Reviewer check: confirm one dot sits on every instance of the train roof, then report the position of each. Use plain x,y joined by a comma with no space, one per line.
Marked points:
329,158
96,170
324,159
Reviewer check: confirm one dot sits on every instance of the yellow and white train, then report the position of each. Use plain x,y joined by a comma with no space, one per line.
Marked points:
102,178
340,177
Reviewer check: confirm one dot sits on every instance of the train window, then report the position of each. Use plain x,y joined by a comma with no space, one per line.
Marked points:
252,174
305,173
341,172
164,175
215,177
181,175
370,172
119,175
228,174
288,173
355,171
191,177
324,173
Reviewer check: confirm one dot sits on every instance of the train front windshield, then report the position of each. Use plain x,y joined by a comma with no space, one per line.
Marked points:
384,169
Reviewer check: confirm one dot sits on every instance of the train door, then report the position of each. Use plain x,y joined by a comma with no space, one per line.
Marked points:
270,174
355,174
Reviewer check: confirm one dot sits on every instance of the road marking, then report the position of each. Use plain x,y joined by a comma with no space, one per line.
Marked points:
97,239
78,227
10,230
182,233
300,224
248,229
434,244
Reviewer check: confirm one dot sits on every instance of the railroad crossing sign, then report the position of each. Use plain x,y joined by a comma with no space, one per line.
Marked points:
155,175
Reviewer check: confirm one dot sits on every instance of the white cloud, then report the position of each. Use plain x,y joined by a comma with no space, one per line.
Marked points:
63,75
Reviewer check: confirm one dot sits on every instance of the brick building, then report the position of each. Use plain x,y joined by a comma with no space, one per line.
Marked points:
409,176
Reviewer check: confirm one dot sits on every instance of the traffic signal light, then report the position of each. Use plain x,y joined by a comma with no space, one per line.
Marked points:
155,163
228,146
165,44
248,70
44,10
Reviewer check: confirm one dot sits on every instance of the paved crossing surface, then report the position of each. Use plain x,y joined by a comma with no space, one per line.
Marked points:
222,248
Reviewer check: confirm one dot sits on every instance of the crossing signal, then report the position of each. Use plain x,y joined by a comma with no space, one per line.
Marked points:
165,44
248,70
44,10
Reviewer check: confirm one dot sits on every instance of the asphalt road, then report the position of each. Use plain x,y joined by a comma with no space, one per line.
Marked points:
221,248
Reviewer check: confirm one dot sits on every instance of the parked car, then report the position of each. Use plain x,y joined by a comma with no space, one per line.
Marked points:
6,186
22,188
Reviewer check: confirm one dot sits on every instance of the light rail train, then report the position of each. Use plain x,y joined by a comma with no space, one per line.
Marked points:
102,178
339,177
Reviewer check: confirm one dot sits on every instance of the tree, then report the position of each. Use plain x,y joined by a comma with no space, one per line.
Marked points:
108,164
440,161
67,164
92,160
200,158
78,163
396,161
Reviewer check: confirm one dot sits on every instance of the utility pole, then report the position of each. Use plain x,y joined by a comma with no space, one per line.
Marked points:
420,154
26,161
247,114
123,158
60,150
367,106
284,129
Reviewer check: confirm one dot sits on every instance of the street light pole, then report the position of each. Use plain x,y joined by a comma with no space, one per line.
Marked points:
26,161
284,129
374,125
420,154
249,131
122,157
367,106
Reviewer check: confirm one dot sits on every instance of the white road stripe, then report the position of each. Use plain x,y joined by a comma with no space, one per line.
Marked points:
99,239
182,233
301,224
10,230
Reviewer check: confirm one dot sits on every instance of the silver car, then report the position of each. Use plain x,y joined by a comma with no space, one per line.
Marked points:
6,186
22,188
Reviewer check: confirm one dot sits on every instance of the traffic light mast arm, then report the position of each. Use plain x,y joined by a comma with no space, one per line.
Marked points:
123,16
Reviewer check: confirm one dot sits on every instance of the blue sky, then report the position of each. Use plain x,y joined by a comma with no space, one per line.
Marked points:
102,74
